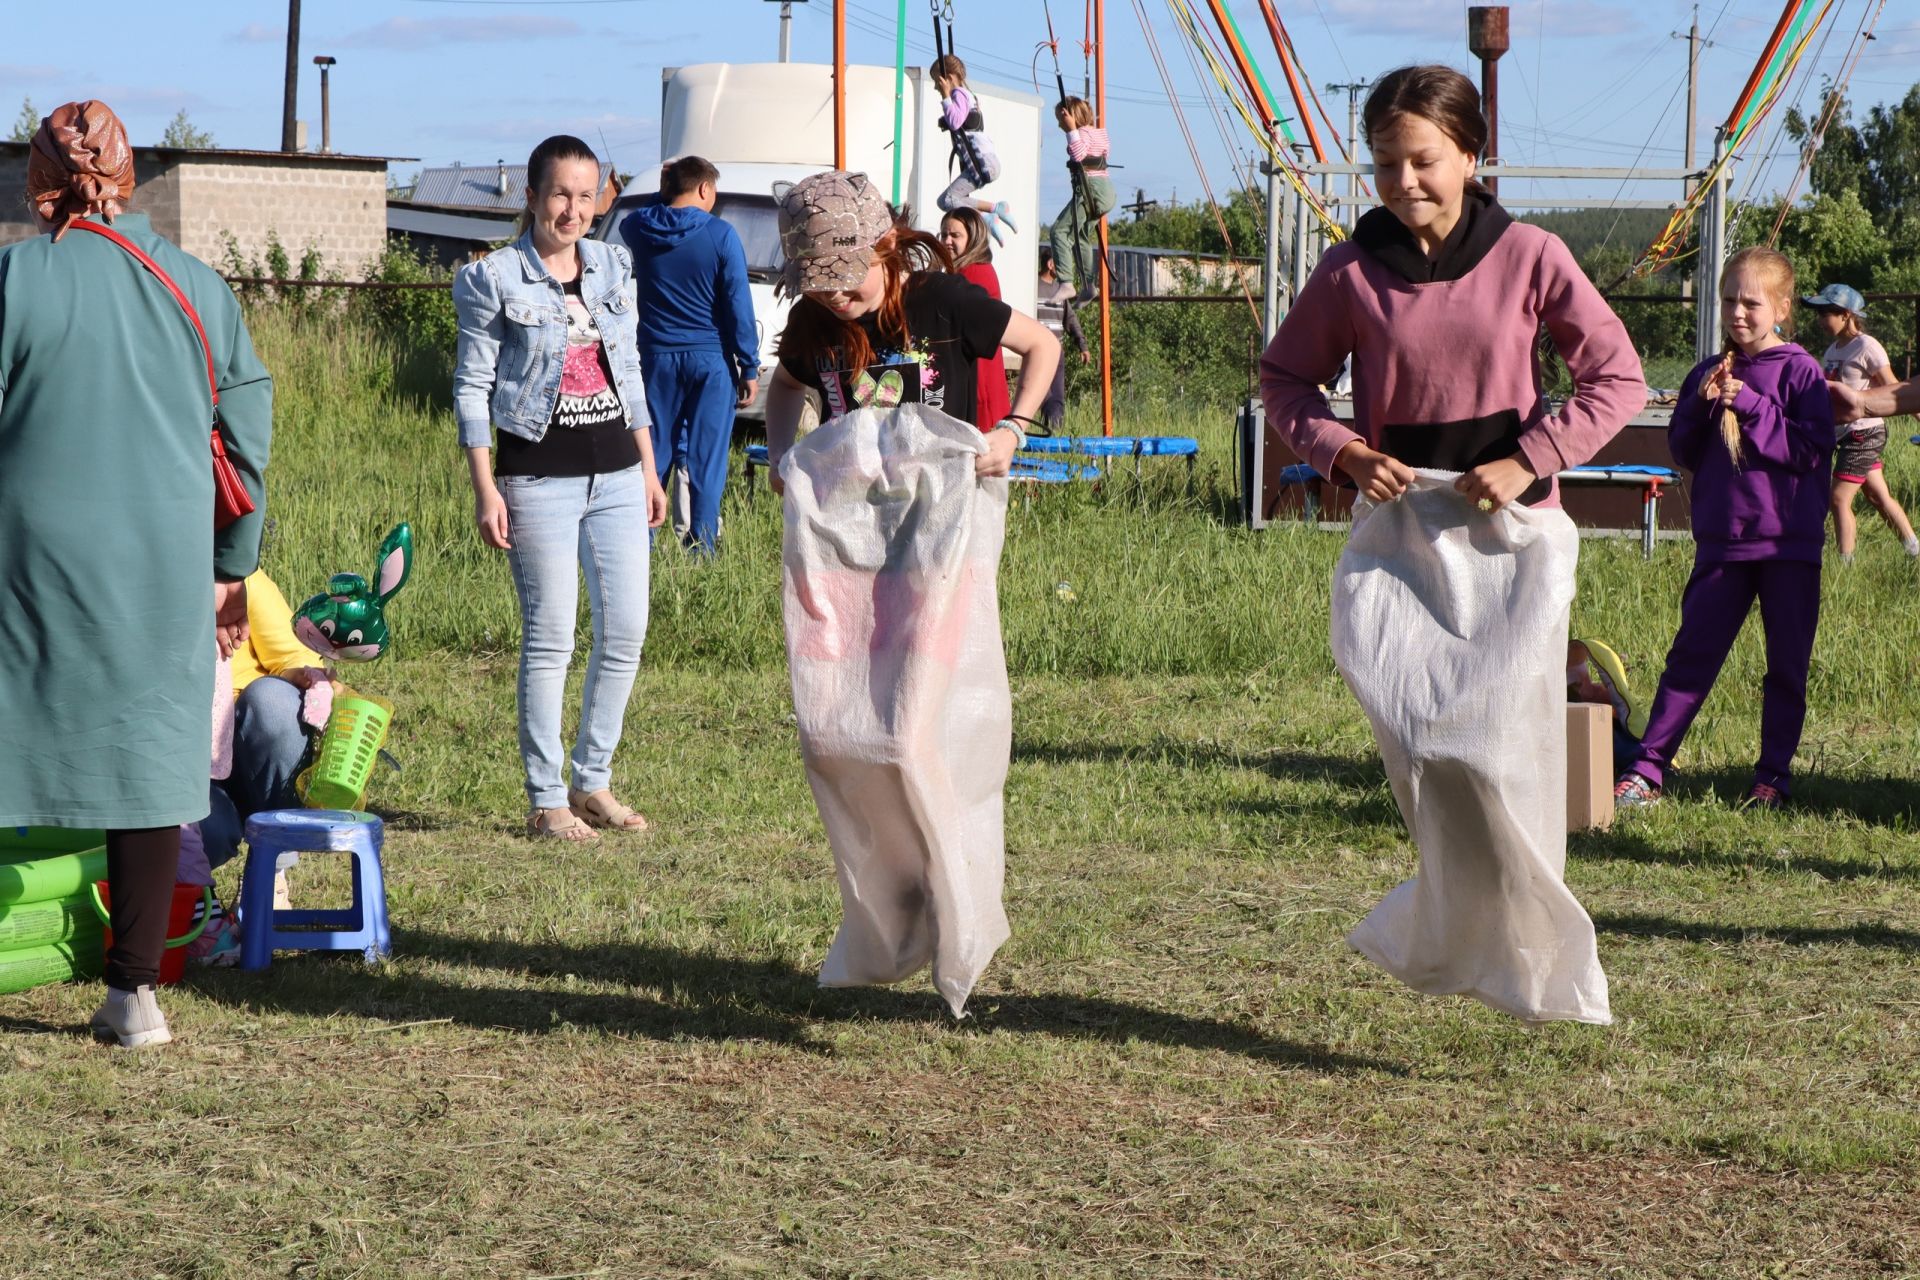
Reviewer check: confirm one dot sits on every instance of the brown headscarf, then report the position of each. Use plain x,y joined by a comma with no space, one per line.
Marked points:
80,164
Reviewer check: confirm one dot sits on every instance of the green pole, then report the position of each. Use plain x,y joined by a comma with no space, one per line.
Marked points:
1246,52
899,93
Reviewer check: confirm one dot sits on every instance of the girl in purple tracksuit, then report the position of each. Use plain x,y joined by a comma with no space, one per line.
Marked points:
1755,427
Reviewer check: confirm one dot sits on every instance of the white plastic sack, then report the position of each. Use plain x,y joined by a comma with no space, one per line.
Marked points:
1450,626
889,585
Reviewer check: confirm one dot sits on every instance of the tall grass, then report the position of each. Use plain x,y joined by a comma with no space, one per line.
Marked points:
1137,575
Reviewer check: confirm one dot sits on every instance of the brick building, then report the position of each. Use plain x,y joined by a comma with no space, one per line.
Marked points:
333,203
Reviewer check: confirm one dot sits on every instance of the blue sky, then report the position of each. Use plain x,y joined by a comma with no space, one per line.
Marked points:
1592,82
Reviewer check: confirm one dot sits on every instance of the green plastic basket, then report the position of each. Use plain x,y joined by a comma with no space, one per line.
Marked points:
343,765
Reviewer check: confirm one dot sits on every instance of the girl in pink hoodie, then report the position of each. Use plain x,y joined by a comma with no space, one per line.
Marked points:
1438,300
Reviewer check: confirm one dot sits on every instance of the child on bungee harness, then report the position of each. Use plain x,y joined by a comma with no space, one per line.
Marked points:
1073,236
973,153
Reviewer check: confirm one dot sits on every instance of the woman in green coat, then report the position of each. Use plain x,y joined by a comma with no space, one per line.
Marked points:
114,570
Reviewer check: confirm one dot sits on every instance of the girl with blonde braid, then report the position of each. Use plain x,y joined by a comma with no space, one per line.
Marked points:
1755,427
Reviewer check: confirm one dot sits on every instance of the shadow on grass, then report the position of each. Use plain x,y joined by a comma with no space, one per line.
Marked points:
1865,935
1363,799
1878,801
1627,845
704,996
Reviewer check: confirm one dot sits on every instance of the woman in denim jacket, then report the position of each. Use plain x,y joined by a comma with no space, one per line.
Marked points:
548,355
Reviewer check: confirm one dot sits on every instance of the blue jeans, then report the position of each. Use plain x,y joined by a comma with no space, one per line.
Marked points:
560,525
269,747
691,398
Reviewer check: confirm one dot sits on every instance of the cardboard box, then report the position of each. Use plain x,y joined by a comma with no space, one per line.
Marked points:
1589,766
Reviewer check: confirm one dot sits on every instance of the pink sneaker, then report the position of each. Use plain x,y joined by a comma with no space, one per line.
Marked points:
1634,792
218,945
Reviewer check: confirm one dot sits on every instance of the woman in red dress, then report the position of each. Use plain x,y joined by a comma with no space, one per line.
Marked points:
964,232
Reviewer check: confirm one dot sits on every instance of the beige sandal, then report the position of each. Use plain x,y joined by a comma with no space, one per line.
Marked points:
559,824
601,810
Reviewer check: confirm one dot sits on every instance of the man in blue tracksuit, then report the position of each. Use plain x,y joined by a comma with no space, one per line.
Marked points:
700,358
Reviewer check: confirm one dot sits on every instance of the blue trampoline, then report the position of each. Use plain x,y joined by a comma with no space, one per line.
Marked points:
1047,471
1651,480
1036,470
1135,447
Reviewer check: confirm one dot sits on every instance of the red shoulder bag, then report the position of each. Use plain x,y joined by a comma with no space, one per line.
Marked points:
230,497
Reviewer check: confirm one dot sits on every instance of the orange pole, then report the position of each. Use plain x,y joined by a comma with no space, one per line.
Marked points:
1780,29
1248,76
1280,46
1106,280
839,84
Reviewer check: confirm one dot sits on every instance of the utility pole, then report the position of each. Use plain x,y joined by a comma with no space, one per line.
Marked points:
1140,204
786,27
1694,45
289,134
1353,91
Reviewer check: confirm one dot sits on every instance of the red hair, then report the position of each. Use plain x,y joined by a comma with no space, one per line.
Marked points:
813,332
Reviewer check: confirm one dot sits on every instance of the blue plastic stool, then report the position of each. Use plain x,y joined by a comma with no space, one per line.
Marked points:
361,927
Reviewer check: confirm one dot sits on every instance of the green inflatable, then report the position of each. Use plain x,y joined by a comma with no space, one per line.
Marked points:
49,931
35,924
40,877
56,962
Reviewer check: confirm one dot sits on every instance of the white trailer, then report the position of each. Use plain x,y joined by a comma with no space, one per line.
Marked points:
769,122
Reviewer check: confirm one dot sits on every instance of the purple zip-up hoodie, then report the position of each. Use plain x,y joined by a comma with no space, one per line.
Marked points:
1773,506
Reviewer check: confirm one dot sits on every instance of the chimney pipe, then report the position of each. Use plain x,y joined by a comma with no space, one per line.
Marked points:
323,62
1487,40
500,179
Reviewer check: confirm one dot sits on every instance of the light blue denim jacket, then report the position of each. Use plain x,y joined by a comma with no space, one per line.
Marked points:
513,338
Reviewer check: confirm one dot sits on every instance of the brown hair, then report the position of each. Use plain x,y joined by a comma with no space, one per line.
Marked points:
1775,269
977,250
1439,95
949,66
1079,112
551,151
814,333
685,174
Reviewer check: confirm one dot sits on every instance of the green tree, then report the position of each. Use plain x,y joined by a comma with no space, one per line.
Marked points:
181,133
27,124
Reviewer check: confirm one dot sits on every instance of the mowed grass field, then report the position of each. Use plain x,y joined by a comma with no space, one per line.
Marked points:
613,1061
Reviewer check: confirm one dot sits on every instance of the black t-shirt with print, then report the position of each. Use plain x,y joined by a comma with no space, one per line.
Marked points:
588,433
952,324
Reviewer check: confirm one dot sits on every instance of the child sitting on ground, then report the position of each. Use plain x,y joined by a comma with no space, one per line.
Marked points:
973,152
1596,674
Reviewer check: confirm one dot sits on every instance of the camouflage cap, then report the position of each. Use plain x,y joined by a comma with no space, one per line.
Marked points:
829,224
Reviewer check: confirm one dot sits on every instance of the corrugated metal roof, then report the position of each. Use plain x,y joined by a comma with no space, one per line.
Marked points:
478,186
453,226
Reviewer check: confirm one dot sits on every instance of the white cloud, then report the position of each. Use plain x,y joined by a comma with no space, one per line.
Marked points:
258,33
429,33
37,74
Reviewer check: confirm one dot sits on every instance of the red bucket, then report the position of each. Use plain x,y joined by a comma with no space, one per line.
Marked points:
181,928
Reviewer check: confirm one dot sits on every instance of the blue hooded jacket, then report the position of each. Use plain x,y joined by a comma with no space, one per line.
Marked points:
692,276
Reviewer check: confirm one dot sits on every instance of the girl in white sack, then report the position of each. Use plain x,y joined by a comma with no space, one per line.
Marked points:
1451,600
889,565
